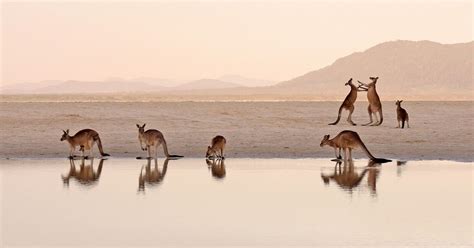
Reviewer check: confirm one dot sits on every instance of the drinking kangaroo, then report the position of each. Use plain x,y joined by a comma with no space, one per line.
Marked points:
348,103
374,101
217,147
348,140
402,115
85,139
153,138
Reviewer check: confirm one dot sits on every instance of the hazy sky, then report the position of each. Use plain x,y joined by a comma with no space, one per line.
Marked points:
206,39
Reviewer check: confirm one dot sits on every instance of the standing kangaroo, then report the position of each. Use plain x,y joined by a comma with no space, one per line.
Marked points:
85,139
152,176
348,140
348,103
217,147
402,115
153,138
85,175
375,105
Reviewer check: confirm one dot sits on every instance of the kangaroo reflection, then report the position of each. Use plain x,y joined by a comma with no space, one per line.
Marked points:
348,178
85,175
217,168
151,176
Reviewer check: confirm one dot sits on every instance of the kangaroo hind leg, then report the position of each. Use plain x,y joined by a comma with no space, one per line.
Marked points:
349,118
370,116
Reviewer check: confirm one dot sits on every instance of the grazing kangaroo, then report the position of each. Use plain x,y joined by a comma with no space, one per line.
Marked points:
375,105
85,139
85,175
402,115
152,176
348,103
348,140
217,167
153,138
217,147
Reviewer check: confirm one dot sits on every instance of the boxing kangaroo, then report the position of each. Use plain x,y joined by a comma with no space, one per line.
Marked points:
375,105
348,103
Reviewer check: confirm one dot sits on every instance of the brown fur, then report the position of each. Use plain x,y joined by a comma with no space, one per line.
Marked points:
375,105
85,140
402,115
217,167
346,140
348,103
85,175
152,176
348,178
152,138
217,147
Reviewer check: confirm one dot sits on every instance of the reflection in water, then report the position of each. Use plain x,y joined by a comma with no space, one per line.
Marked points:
85,175
217,168
348,178
152,177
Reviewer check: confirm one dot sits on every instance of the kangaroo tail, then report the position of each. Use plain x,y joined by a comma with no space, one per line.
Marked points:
338,117
165,150
99,144
364,148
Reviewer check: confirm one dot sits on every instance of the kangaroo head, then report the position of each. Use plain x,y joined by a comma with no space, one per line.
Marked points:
65,135
141,129
374,79
348,82
209,152
325,140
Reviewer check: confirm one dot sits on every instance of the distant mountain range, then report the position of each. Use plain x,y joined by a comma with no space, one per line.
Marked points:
413,70
407,69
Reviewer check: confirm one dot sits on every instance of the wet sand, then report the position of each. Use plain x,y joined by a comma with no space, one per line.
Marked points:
439,130
245,203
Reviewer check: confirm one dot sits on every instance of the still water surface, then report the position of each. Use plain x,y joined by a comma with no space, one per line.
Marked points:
242,202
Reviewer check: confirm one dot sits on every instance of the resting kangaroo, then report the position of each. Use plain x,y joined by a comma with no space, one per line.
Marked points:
348,140
402,115
348,103
374,101
217,147
153,138
85,139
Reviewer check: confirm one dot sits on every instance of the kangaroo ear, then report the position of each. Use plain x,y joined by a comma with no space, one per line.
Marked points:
144,125
67,131
138,126
401,101
326,136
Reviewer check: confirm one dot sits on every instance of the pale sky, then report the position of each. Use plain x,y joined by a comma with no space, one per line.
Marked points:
96,40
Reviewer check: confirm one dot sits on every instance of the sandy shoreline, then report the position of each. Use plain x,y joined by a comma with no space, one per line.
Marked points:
439,130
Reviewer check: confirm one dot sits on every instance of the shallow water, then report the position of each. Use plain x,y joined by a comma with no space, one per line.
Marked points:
244,202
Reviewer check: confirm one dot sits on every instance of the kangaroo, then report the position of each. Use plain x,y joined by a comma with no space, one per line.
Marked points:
217,147
152,176
85,139
348,178
85,175
348,140
217,167
153,138
375,105
402,115
348,103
